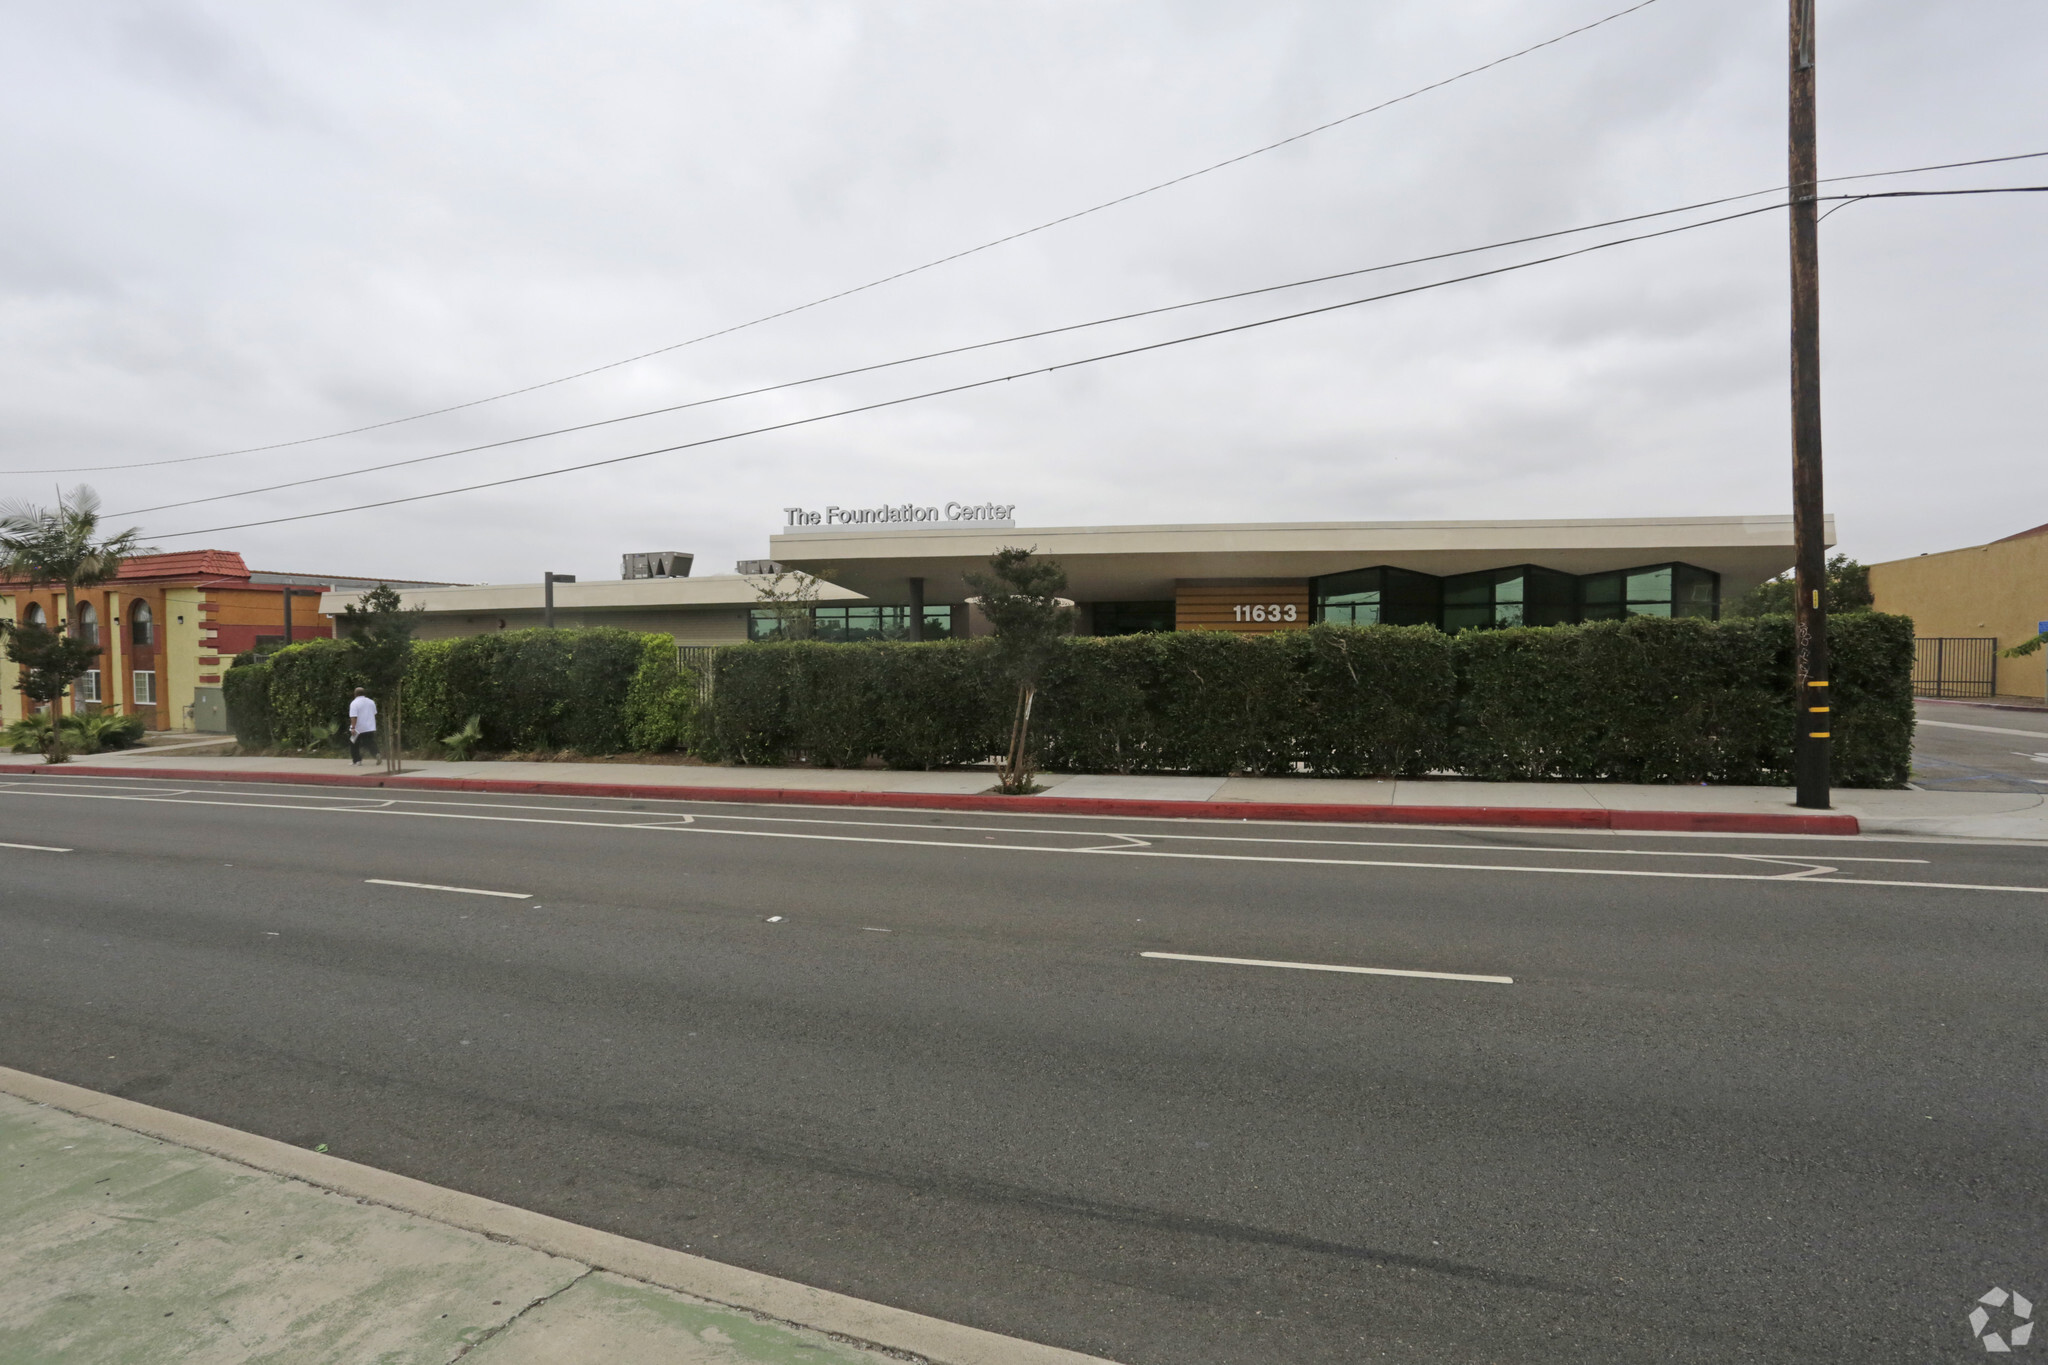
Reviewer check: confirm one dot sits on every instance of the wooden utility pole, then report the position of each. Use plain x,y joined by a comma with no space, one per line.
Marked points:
1809,523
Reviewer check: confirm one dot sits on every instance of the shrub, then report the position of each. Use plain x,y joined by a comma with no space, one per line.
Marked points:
97,730
661,700
30,734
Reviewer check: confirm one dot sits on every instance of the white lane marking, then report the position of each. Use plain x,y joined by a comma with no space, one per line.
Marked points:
36,848
1097,850
1984,729
465,890
1327,967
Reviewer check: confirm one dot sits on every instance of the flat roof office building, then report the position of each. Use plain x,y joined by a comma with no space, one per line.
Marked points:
904,576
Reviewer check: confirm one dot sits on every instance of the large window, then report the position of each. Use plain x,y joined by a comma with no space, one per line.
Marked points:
32,614
1657,590
88,623
88,688
850,623
1131,618
145,687
1378,597
1521,596
141,623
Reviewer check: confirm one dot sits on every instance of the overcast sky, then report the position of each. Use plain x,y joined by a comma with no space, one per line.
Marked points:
234,224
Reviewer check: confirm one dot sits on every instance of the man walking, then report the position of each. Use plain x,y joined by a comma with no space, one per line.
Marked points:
362,727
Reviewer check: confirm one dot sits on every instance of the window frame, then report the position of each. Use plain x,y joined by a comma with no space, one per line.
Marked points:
138,689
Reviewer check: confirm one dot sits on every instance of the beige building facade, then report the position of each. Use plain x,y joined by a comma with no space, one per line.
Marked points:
904,576
1996,592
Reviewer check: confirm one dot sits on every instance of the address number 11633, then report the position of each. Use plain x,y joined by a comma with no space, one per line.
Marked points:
1266,611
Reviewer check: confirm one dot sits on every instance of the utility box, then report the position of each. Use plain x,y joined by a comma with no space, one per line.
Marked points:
657,564
209,711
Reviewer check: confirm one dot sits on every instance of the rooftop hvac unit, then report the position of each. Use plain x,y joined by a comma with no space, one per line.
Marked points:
656,564
753,567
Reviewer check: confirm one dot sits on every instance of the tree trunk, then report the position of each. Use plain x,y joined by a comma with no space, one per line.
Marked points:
1016,777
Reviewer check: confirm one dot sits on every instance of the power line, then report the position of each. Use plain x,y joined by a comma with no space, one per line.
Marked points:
975,384
957,350
955,256
1085,360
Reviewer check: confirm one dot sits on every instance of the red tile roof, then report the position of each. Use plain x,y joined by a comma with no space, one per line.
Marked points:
194,564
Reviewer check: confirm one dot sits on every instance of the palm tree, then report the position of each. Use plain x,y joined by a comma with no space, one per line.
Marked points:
61,546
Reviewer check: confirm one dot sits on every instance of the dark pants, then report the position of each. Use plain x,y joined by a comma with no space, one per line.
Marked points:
358,743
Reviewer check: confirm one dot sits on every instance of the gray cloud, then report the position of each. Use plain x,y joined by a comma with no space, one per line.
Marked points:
231,224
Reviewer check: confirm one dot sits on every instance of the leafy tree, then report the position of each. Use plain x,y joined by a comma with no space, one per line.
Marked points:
379,628
49,664
1020,599
58,546
1848,589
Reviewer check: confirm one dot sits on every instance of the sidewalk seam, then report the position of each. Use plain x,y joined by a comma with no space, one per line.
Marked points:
506,1325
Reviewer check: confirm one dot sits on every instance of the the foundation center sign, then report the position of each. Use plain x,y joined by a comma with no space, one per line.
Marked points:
993,516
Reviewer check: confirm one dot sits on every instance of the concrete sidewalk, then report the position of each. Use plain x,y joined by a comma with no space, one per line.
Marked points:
1945,814
129,1233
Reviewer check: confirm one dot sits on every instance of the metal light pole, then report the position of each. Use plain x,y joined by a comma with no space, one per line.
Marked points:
1809,526
548,581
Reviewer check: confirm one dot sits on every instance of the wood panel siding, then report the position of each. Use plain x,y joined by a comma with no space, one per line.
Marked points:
1215,606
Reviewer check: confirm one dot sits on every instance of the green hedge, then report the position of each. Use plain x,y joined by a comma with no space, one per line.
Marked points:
1641,700
596,691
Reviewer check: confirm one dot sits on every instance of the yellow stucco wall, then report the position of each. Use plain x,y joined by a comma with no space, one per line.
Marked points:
181,633
2000,590
10,700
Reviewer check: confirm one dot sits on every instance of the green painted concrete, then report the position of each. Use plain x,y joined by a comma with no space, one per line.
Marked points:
115,1247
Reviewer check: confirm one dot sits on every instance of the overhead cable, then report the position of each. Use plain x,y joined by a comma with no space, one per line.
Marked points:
982,345
971,384
954,256
1072,364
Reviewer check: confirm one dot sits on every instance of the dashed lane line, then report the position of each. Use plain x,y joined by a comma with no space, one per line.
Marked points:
465,890
1331,967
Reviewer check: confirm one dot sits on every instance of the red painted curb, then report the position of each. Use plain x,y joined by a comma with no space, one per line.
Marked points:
1525,817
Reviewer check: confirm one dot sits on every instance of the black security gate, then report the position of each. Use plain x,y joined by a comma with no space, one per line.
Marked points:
1955,666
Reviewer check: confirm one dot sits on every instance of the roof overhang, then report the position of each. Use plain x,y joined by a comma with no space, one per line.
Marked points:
636,594
1139,563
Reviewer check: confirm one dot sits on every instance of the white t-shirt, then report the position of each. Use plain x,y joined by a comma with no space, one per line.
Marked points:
363,712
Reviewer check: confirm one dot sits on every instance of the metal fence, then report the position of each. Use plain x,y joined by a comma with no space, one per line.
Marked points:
1955,666
697,658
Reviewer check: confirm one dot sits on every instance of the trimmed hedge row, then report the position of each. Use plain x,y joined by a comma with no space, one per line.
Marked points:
1641,700
598,691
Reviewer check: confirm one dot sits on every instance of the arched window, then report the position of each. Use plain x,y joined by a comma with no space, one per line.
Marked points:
141,623
33,615
88,623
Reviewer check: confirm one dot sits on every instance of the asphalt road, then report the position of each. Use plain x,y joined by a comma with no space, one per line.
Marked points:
1755,1099
1980,748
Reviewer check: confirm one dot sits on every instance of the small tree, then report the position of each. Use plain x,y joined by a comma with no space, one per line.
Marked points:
379,628
1019,598
790,594
49,664
1848,589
